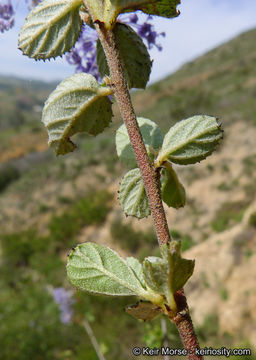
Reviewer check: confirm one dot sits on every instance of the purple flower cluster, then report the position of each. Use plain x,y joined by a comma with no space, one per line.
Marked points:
65,301
83,54
6,15
146,30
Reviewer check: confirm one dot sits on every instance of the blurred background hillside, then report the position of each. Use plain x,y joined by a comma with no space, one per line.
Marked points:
49,204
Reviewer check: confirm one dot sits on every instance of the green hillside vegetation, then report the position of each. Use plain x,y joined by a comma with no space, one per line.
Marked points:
20,101
222,83
49,204
20,105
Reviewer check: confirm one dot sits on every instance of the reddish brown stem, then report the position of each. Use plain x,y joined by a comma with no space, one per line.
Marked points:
185,326
122,95
149,174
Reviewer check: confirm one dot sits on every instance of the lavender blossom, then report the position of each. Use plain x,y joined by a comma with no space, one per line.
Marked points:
6,15
65,301
83,54
146,30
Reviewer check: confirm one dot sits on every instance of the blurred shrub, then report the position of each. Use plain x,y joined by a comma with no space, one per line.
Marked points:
28,250
138,241
96,147
131,239
43,208
252,220
30,326
18,248
8,174
63,228
209,330
186,240
223,186
223,294
50,267
153,336
229,214
92,209
249,164
209,335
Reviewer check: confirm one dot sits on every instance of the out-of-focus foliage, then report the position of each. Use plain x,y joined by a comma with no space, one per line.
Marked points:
31,267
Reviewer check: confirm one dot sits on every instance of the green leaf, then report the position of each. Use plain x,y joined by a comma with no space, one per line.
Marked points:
51,29
155,271
190,141
132,195
136,267
169,274
98,269
180,270
151,135
134,57
144,310
173,192
79,104
166,8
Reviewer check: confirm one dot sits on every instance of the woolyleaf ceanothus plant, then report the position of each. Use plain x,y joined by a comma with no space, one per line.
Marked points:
81,103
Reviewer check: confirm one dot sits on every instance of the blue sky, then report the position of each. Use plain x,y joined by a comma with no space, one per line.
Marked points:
202,25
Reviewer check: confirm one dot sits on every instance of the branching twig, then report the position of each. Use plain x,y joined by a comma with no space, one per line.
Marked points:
149,174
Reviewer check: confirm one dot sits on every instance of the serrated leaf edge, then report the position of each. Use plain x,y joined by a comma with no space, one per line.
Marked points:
141,190
135,290
122,130
58,93
71,4
111,12
163,155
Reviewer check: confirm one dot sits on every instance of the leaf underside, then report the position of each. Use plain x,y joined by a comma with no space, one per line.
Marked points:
136,267
78,104
51,29
134,57
145,311
190,141
155,271
132,195
173,192
165,8
151,135
98,269
168,274
180,269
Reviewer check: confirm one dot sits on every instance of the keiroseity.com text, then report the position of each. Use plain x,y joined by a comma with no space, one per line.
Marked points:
210,351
